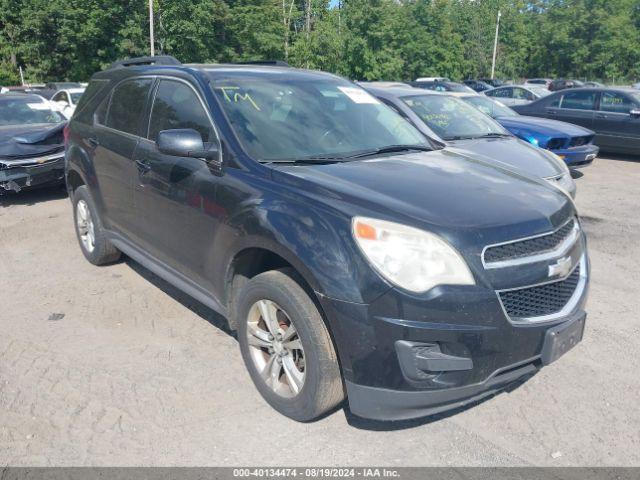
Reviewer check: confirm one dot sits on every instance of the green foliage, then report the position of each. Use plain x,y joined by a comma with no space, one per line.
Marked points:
360,39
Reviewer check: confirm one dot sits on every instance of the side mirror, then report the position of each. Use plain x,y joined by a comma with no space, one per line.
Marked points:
187,142
635,112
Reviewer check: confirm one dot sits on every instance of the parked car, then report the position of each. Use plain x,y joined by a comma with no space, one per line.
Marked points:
593,84
3,90
31,143
572,143
67,100
432,79
62,85
563,84
42,92
477,85
449,121
545,82
442,86
518,94
343,248
494,82
613,113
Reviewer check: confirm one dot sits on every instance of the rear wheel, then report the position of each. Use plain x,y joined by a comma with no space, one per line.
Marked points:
286,346
91,236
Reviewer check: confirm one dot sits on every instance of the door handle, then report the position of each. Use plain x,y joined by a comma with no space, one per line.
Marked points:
93,142
601,115
143,167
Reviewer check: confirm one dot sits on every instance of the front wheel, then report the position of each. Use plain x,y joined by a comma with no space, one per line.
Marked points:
286,347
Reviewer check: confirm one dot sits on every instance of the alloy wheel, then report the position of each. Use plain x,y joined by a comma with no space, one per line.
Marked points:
85,226
275,348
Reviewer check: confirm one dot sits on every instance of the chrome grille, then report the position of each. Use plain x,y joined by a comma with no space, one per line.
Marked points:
529,247
540,300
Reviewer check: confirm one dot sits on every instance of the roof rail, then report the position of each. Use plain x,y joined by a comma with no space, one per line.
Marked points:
274,63
158,60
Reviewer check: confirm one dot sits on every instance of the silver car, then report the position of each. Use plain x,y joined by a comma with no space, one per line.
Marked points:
518,94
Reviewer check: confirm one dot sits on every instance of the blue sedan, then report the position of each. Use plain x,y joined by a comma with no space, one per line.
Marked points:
572,143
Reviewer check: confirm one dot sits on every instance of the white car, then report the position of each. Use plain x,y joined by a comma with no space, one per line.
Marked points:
517,94
432,79
66,100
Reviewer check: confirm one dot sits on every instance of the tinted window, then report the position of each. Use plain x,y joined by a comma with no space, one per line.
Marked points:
578,100
101,112
615,102
177,106
127,104
500,93
95,86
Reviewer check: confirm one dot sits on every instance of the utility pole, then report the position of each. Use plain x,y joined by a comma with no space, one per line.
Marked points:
495,47
21,76
151,39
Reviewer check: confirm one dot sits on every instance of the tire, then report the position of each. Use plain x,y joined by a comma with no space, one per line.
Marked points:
86,219
281,296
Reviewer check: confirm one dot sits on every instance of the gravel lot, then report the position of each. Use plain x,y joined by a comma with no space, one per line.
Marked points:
112,366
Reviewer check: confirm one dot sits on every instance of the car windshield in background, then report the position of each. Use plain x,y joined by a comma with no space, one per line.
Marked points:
458,87
450,118
540,91
295,118
490,107
23,111
75,97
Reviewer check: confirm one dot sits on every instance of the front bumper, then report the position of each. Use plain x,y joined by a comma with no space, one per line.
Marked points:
463,331
578,157
20,175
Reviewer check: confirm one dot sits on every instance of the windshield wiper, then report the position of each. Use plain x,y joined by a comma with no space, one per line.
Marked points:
494,135
392,149
315,160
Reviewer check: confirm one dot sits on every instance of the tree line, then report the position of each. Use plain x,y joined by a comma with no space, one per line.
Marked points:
360,39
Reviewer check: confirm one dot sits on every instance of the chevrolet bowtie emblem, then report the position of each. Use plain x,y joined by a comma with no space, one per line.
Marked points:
561,268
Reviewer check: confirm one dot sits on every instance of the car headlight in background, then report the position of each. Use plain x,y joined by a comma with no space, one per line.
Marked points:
410,258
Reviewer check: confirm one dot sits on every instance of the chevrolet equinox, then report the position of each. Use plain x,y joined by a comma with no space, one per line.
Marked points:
352,257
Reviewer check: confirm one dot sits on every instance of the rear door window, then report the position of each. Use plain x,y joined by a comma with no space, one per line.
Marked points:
127,105
615,103
501,93
578,100
177,106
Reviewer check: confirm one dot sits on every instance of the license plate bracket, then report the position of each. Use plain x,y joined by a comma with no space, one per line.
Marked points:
562,338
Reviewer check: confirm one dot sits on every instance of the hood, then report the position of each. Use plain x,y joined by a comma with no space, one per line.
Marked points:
24,141
543,126
512,153
463,199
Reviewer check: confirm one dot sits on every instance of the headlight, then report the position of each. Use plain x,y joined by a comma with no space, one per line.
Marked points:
565,182
412,259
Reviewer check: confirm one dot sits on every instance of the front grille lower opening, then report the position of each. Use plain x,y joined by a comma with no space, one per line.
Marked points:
540,300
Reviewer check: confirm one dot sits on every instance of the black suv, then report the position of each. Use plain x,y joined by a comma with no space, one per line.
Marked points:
351,256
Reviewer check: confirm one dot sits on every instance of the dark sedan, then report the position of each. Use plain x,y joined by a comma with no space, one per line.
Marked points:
31,143
478,85
613,113
563,84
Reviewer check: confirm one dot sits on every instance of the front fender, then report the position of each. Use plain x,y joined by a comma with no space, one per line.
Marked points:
316,240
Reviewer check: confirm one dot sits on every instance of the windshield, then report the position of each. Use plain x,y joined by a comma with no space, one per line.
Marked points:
490,107
458,87
450,118
24,111
75,97
540,91
278,117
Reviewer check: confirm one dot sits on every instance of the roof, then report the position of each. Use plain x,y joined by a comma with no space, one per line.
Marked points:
24,96
399,91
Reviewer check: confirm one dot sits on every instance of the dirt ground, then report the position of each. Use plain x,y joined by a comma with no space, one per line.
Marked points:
112,366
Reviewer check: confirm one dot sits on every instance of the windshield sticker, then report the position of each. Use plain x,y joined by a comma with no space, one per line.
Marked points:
234,95
38,106
357,95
